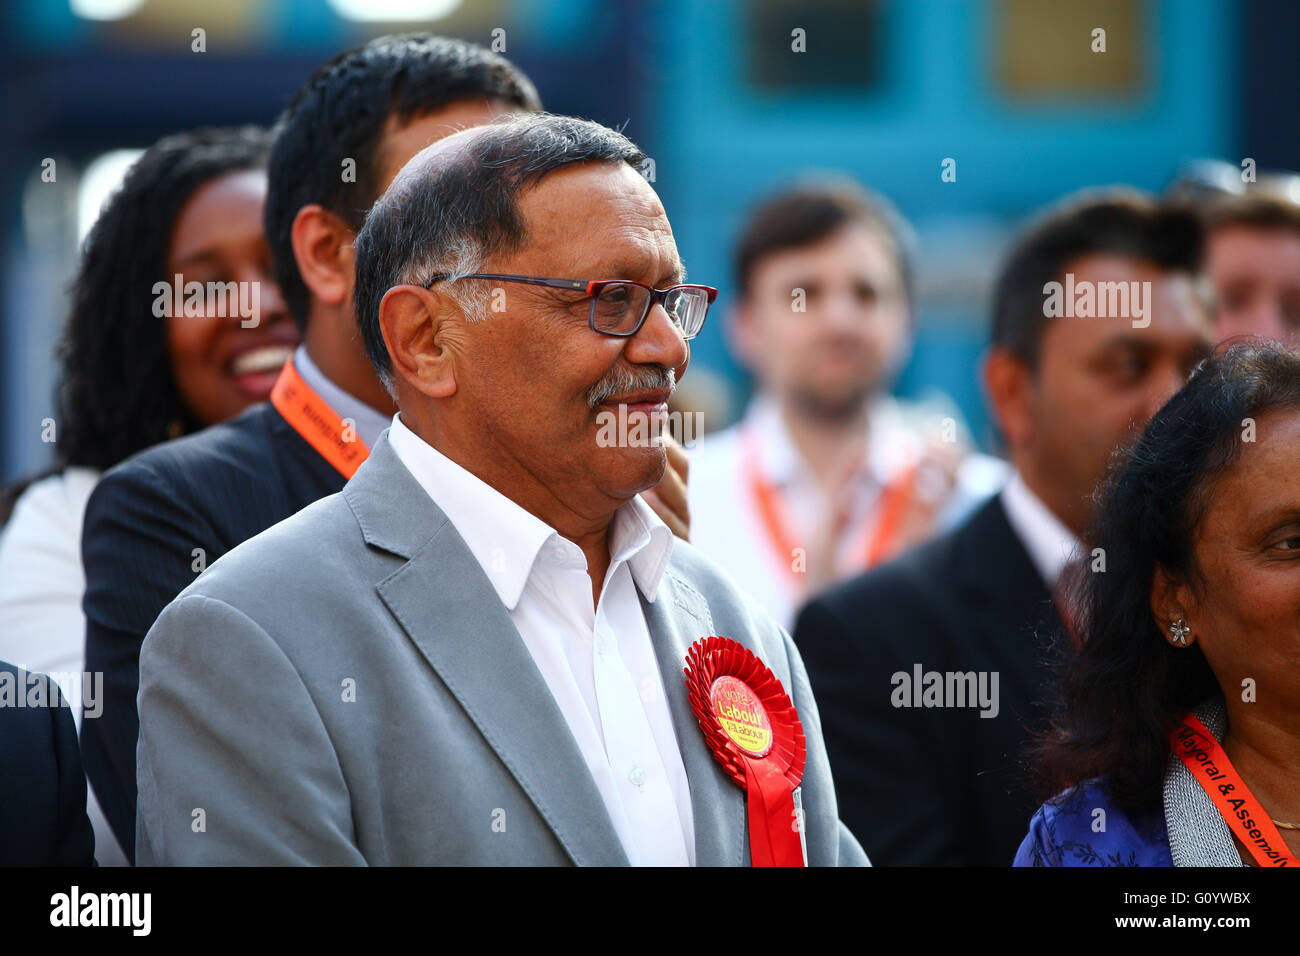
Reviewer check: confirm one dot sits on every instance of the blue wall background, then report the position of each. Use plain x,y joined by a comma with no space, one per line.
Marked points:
1219,78
720,144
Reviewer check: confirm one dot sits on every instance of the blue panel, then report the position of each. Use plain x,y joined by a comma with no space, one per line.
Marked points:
721,144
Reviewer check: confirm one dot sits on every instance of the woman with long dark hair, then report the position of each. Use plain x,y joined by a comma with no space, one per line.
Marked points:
1177,740
174,325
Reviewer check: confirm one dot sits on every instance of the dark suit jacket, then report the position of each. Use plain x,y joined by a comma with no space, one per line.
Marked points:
43,818
941,785
212,490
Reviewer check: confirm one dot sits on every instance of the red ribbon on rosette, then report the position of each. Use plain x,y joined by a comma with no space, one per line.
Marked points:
753,730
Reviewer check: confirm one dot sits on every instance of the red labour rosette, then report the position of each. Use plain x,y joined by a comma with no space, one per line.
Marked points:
753,730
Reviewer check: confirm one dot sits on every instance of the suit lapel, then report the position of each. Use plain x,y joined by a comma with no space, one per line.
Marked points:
447,606
1015,593
678,617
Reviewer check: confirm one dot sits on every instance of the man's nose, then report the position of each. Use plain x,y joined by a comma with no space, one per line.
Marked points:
840,311
659,341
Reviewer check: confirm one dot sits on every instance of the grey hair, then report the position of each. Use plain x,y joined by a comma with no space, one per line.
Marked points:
461,210
462,257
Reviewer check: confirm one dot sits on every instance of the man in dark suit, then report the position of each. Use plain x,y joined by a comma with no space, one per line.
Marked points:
43,818
930,670
156,521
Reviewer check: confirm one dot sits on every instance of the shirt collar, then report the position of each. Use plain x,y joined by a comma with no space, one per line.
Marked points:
891,445
507,540
369,423
1051,545
894,441
640,537
765,428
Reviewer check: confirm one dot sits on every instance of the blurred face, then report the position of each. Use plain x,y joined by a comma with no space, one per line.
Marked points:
220,367
323,245
1256,274
1247,616
851,334
535,367
1100,380
401,141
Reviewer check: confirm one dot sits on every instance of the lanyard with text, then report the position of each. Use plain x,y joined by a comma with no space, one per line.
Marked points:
1247,820
882,537
318,424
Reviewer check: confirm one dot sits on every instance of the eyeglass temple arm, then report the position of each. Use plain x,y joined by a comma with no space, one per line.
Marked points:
528,280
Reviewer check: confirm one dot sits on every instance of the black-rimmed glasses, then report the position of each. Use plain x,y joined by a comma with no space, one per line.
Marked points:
619,306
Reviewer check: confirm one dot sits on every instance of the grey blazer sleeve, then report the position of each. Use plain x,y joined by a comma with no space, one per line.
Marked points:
823,827
228,728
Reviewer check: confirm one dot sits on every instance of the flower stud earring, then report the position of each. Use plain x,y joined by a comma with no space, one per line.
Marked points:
1179,631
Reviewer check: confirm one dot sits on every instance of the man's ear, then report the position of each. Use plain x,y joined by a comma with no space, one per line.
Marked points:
422,331
1009,383
322,247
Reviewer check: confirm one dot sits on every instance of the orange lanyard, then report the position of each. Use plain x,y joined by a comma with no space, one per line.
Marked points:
318,424
882,539
1205,758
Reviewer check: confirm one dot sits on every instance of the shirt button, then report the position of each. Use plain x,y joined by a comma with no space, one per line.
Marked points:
637,776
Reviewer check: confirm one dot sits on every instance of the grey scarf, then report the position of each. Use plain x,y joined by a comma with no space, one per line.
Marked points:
1198,835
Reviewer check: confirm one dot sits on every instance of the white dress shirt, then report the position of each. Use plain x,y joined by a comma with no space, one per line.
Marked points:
725,519
598,662
1051,545
369,424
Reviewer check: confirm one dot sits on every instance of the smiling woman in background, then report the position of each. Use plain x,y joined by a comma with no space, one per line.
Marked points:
190,206
1179,735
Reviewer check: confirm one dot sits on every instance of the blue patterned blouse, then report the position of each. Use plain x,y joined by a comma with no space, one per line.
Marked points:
1180,827
1082,827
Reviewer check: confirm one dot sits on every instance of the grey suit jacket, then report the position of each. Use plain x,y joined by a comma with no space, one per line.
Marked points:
346,688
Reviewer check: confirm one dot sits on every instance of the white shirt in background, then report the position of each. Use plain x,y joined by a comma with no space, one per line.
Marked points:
42,627
726,522
598,663
1051,545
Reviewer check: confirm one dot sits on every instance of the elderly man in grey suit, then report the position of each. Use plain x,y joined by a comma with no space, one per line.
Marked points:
474,653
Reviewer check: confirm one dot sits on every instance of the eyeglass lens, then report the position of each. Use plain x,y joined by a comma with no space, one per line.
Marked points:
620,306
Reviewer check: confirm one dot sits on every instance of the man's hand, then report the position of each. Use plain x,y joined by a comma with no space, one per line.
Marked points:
668,498
936,477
